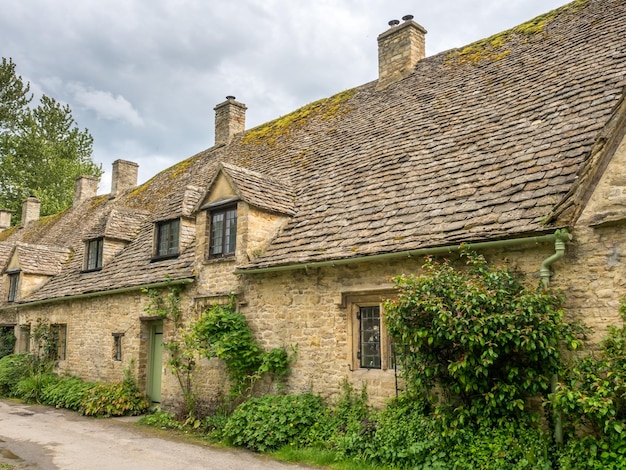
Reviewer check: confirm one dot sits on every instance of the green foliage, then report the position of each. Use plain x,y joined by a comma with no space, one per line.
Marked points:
13,368
67,392
486,341
42,152
593,453
32,388
404,434
272,421
224,333
116,399
7,340
592,396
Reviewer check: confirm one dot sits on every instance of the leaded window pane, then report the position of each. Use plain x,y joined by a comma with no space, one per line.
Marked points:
369,337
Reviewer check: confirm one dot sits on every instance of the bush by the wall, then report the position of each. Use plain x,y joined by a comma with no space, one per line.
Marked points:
272,421
13,368
67,392
115,399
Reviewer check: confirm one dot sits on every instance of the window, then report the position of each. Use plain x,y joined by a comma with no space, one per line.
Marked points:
223,232
117,346
94,254
370,347
58,334
369,353
167,238
14,280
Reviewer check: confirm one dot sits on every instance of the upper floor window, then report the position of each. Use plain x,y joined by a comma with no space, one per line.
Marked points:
94,254
167,236
14,280
223,232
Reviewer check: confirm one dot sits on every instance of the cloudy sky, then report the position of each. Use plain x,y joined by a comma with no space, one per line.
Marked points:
144,75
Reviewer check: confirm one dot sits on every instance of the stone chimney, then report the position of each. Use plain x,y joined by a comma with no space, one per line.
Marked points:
5,219
124,176
30,209
85,187
230,119
400,48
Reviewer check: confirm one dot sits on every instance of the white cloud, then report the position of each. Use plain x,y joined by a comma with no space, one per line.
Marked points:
106,105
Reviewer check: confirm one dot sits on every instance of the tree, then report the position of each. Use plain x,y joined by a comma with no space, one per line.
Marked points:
42,151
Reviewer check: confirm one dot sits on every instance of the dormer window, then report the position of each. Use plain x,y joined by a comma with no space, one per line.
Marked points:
93,258
14,280
167,236
223,232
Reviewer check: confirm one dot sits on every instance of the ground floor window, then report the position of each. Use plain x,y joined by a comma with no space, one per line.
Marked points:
59,336
370,345
117,346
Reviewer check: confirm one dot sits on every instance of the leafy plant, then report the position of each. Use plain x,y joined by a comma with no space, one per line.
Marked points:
272,421
67,392
13,368
116,399
32,388
479,336
7,340
224,333
592,396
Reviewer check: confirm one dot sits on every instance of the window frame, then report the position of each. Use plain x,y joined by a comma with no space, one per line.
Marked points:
226,232
354,305
117,346
94,246
169,248
59,330
14,285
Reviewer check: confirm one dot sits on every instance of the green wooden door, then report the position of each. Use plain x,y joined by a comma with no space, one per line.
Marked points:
155,362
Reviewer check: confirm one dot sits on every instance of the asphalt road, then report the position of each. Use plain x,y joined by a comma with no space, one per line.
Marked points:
36,437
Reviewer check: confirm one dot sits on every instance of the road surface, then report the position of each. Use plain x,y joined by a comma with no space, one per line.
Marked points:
42,438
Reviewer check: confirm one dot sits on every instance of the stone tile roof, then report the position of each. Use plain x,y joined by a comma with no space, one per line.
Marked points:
41,259
261,190
477,143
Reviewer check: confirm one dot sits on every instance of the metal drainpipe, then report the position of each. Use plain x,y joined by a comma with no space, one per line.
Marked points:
559,252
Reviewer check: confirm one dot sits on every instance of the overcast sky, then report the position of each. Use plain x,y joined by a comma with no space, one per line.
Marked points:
144,75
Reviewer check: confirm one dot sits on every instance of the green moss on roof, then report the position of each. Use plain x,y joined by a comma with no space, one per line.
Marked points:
7,233
327,108
493,48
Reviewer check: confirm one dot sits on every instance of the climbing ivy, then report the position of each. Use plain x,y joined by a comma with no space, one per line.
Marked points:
220,332
224,333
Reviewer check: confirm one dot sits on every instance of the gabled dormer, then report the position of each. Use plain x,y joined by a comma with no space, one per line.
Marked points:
242,210
29,267
110,236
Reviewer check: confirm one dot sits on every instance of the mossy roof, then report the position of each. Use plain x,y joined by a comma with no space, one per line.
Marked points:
460,150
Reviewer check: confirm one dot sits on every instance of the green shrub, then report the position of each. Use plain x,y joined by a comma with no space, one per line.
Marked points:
272,421
514,445
162,420
592,453
67,392
13,368
116,399
477,334
7,340
404,435
31,388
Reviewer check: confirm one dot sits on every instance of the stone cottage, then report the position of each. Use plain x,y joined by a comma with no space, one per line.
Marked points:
514,144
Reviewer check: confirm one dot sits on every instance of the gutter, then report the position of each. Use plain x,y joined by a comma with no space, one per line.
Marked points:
90,295
558,235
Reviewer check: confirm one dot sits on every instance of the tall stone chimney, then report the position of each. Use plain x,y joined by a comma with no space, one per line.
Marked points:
400,48
5,219
85,187
230,119
30,209
124,176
